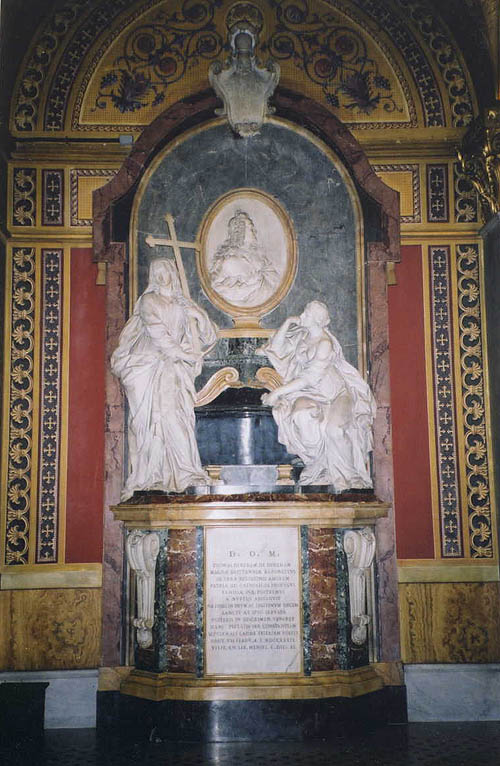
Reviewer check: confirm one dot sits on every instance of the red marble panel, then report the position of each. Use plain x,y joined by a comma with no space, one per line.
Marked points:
323,598
181,600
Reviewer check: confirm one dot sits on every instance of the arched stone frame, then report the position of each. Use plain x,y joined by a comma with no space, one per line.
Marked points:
312,117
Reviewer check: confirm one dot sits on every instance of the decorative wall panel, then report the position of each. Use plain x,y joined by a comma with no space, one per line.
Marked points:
52,197
24,197
437,194
448,59
474,402
39,61
446,435
404,179
55,629
18,417
450,622
50,405
84,181
466,207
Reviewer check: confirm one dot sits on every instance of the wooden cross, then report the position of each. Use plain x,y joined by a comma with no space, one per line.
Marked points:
176,245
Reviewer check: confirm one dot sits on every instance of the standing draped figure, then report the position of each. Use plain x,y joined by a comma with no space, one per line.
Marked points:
157,360
324,409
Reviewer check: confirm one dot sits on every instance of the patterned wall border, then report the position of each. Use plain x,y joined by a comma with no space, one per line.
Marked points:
466,202
450,516
437,38
470,320
50,405
437,194
33,74
72,58
24,197
53,197
18,420
75,174
424,76
416,217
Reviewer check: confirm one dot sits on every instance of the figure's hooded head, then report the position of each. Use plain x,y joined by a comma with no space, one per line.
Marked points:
163,276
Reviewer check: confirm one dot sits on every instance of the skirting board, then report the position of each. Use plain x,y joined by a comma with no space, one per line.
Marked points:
70,698
453,692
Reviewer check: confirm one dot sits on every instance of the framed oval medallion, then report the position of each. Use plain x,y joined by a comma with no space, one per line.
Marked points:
248,255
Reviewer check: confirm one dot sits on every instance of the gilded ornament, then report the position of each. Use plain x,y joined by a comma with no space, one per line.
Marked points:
480,159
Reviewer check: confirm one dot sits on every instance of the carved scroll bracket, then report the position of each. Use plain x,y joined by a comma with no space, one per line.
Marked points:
480,159
359,547
142,552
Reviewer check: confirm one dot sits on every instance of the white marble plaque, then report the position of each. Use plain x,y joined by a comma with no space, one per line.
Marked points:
252,589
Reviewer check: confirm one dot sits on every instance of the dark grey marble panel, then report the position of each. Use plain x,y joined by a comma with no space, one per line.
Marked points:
300,176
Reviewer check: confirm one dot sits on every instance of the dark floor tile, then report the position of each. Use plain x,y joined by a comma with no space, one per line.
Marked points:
442,744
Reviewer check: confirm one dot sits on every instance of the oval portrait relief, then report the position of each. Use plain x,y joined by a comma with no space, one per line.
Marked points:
247,261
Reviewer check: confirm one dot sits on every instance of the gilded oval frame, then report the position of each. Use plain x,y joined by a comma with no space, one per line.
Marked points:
247,316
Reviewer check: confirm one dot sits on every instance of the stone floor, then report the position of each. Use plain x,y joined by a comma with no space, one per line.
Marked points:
436,744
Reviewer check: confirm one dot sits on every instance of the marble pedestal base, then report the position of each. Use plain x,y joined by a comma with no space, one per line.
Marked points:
252,600
248,720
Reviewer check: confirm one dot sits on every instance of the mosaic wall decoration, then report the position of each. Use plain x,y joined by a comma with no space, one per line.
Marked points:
52,197
69,64
446,435
425,80
50,405
437,193
158,54
334,56
329,44
437,38
466,203
405,179
19,433
35,72
134,76
24,197
81,199
470,315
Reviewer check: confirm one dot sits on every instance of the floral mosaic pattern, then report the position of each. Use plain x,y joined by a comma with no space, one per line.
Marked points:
332,56
20,428
24,203
157,55
473,401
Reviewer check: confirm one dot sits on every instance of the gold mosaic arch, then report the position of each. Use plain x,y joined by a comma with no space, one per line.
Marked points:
112,66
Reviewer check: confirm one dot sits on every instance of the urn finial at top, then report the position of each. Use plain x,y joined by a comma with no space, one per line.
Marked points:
243,85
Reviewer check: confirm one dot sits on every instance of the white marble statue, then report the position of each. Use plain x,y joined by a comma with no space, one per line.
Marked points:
158,357
240,270
324,409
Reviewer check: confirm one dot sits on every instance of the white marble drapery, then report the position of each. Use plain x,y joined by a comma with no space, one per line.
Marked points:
324,409
157,360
